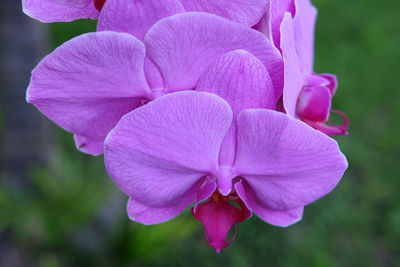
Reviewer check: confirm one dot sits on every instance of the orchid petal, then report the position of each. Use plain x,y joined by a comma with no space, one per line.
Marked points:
59,10
243,81
184,45
246,12
286,163
89,146
282,218
148,214
315,80
135,16
153,76
304,24
277,10
205,191
294,80
332,82
74,3
263,25
158,152
87,84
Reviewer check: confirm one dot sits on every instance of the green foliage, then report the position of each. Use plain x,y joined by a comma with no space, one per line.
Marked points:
59,217
64,31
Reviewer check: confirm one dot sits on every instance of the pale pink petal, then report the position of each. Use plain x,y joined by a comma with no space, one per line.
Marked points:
88,145
135,16
314,104
243,81
304,24
294,79
59,10
183,46
87,84
282,218
286,163
158,152
148,214
247,12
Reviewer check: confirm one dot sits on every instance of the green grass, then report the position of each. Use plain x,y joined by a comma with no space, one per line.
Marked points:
356,225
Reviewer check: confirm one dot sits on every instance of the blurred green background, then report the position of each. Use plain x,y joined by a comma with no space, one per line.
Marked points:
71,214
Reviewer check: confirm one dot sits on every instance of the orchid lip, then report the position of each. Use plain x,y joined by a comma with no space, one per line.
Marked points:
314,103
218,216
99,4
314,108
330,128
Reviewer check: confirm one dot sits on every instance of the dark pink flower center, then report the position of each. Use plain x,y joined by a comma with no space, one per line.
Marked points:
218,215
99,4
314,105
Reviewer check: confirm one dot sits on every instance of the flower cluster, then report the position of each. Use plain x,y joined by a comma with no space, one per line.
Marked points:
207,102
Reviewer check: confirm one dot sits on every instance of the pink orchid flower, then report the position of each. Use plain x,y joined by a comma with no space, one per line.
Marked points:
307,95
246,12
87,84
219,144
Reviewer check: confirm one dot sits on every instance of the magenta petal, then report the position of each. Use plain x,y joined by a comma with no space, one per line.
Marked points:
158,152
294,79
246,12
87,84
59,10
206,190
152,214
314,79
286,163
331,129
277,10
314,104
333,83
243,81
218,217
282,218
153,77
263,25
89,146
184,45
135,16
304,24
